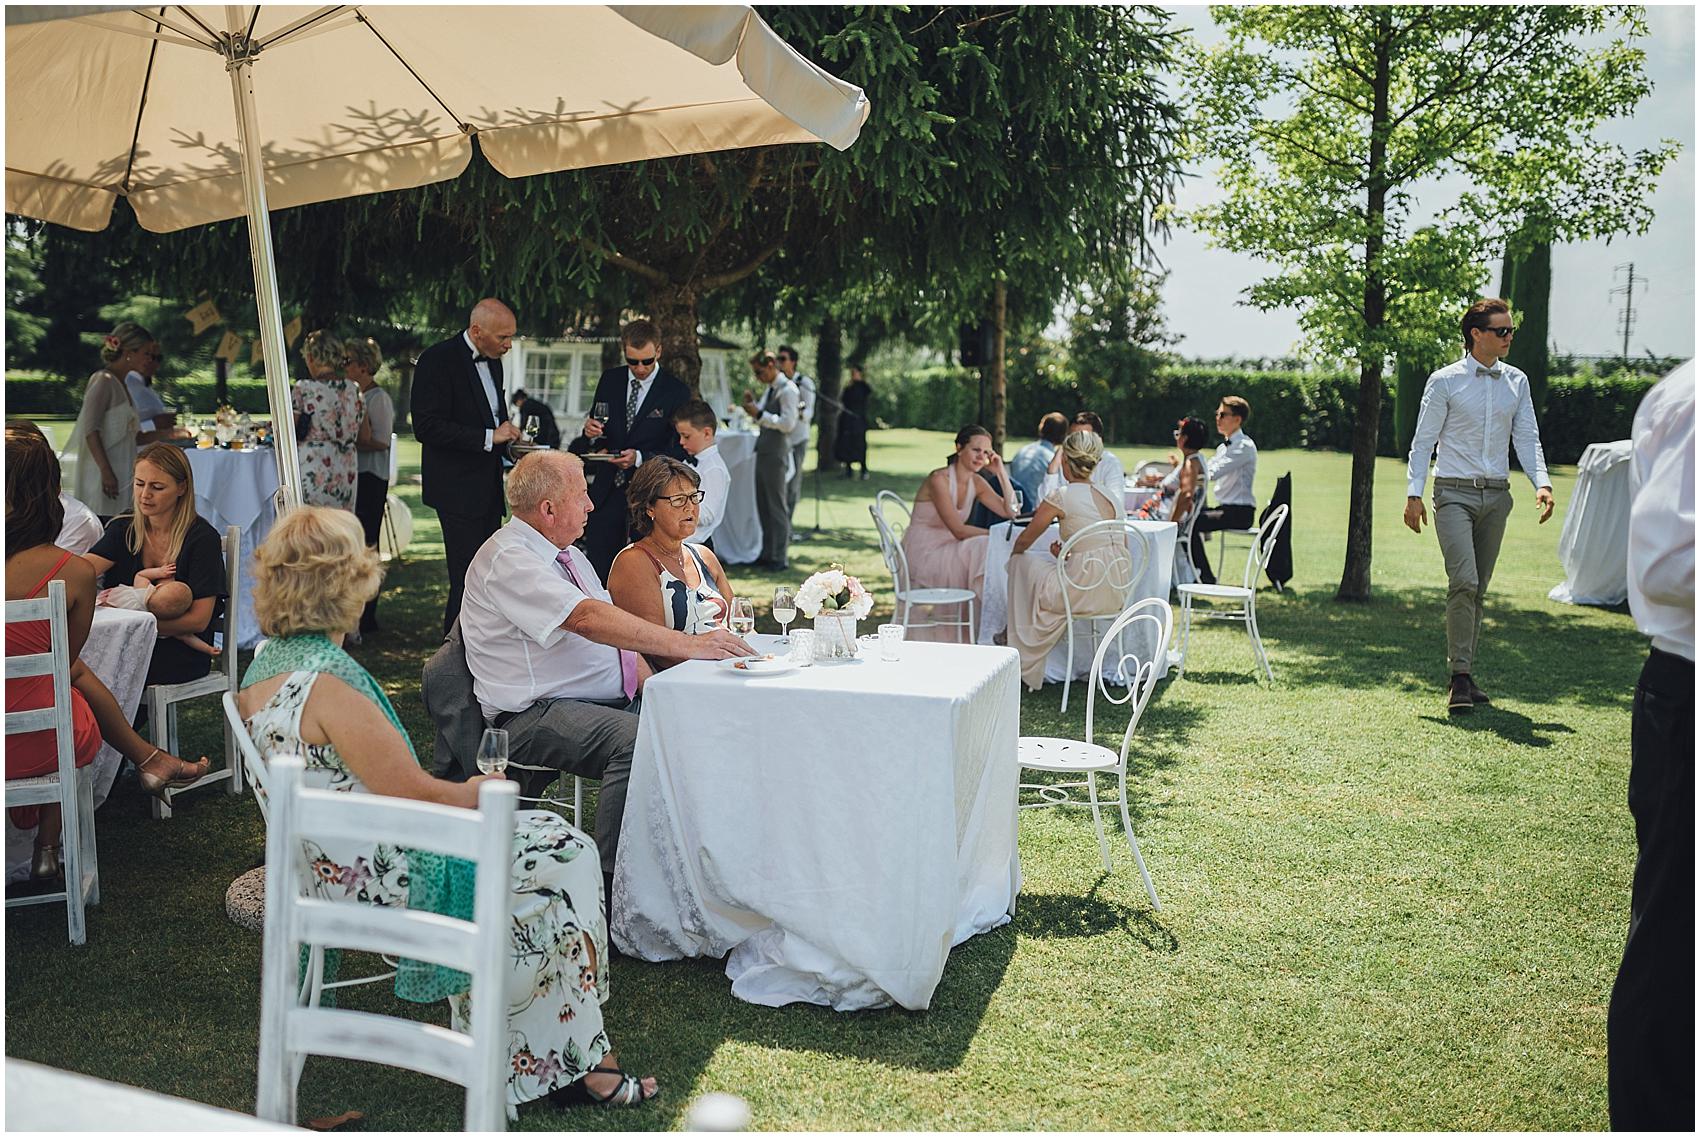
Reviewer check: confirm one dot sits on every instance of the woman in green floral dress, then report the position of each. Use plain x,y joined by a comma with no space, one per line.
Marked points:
304,695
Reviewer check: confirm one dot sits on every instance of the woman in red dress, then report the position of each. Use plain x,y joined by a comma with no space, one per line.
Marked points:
33,518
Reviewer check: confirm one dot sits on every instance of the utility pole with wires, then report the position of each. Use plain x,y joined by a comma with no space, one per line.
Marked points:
1626,318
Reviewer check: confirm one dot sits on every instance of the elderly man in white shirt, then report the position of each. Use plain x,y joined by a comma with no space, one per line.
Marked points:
1650,1025
776,417
696,425
1473,411
799,436
553,662
1231,474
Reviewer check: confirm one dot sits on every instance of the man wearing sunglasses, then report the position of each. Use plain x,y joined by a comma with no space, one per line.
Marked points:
1474,411
640,397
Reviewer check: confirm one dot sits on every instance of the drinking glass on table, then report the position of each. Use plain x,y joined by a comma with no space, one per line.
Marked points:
493,751
743,619
784,610
531,427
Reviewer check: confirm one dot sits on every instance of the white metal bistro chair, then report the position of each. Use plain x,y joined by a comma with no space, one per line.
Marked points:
1086,562
1243,598
163,698
395,528
1249,535
69,787
1086,757
292,1027
908,597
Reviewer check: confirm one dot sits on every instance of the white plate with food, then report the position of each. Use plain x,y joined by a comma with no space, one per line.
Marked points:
768,664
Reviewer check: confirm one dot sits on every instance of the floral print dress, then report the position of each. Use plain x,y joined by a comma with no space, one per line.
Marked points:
559,979
327,455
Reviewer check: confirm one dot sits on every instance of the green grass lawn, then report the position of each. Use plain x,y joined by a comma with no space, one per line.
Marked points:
1375,917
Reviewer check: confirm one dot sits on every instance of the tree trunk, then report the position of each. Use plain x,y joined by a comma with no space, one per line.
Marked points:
829,382
1360,519
1000,377
673,307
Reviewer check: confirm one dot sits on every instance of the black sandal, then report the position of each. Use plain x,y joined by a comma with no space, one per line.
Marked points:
629,1092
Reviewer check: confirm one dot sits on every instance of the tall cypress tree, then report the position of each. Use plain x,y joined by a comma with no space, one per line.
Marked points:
1526,283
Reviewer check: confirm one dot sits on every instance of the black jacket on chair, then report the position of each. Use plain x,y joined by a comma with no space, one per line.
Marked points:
450,415
651,433
1280,569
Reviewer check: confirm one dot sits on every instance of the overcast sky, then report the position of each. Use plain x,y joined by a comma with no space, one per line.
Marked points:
1204,283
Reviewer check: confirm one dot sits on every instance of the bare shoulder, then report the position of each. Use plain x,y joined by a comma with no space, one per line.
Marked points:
631,564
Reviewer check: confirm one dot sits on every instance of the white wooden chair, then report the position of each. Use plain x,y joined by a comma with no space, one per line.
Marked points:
292,1026
1084,570
1150,616
908,597
163,698
68,787
1244,598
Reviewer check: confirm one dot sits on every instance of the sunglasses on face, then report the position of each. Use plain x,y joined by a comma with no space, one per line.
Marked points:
679,501
645,362
1502,333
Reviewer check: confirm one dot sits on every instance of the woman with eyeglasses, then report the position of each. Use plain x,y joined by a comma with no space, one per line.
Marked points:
108,429
327,423
660,576
1182,488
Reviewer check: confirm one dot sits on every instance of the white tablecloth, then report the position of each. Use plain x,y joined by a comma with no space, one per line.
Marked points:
737,539
1594,547
837,853
235,487
42,1099
118,649
1158,539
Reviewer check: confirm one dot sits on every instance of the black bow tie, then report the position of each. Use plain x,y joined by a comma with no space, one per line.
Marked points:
691,459
484,359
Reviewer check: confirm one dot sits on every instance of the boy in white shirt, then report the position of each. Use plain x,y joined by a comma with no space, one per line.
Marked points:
696,425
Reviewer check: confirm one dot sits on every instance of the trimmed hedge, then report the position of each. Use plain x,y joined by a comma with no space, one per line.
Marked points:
48,395
1309,410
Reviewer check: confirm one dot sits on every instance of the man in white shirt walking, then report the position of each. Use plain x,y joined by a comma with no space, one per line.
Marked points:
1650,1026
1231,474
1474,411
799,436
553,662
697,425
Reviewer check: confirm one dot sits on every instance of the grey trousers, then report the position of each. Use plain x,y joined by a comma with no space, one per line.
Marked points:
587,739
794,488
1470,523
773,504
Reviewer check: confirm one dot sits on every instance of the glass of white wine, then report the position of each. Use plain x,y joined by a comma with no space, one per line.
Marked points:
743,618
784,610
531,428
493,751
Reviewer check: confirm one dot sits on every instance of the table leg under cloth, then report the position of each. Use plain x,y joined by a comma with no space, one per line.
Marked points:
836,853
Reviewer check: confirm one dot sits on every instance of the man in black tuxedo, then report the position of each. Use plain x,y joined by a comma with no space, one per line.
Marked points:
548,434
641,399
463,433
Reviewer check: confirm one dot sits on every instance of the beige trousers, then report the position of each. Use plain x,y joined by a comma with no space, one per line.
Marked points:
1470,523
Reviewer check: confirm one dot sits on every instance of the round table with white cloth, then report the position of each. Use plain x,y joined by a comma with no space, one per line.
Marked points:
1594,547
236,487
737,539
1158,538
119,648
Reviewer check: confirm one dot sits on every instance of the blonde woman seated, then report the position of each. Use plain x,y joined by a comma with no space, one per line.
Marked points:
662,576
1036,617
942,549
304,695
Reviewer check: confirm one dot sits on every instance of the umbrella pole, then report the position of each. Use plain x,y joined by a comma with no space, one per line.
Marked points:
241,66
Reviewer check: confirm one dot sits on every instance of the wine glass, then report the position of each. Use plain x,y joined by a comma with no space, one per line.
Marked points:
531,427
493,751
784,610
599,412
743,620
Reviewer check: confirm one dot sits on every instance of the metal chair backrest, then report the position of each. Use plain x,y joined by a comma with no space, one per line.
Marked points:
482,947
1097,555
1257,557
1151,620
891,547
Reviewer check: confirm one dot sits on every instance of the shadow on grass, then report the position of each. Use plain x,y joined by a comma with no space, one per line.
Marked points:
1066,916
1507,724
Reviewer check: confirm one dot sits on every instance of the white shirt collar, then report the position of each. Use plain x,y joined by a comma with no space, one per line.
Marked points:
528,536
470,346
1229,440
1477,367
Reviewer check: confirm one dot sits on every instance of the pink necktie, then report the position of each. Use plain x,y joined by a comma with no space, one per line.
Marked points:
628,660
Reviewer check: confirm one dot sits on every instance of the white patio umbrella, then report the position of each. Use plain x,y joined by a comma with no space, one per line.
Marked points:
204,113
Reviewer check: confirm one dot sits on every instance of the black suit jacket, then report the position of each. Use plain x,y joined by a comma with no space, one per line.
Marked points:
651,433
450,415
548,434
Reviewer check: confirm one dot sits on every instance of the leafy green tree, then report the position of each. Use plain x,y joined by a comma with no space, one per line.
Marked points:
25,327
1332,123
1116,334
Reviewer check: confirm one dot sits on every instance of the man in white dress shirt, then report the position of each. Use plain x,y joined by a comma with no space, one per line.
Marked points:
696,425
1231,474
799,436
553,662
1474,411
1650,1026
775,418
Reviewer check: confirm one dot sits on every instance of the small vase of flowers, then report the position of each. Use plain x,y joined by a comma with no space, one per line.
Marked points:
835,601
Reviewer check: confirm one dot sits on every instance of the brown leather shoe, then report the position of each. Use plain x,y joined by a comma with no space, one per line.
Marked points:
1477,695
1458,701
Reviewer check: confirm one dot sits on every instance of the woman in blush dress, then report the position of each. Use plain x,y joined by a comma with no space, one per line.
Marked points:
942,549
